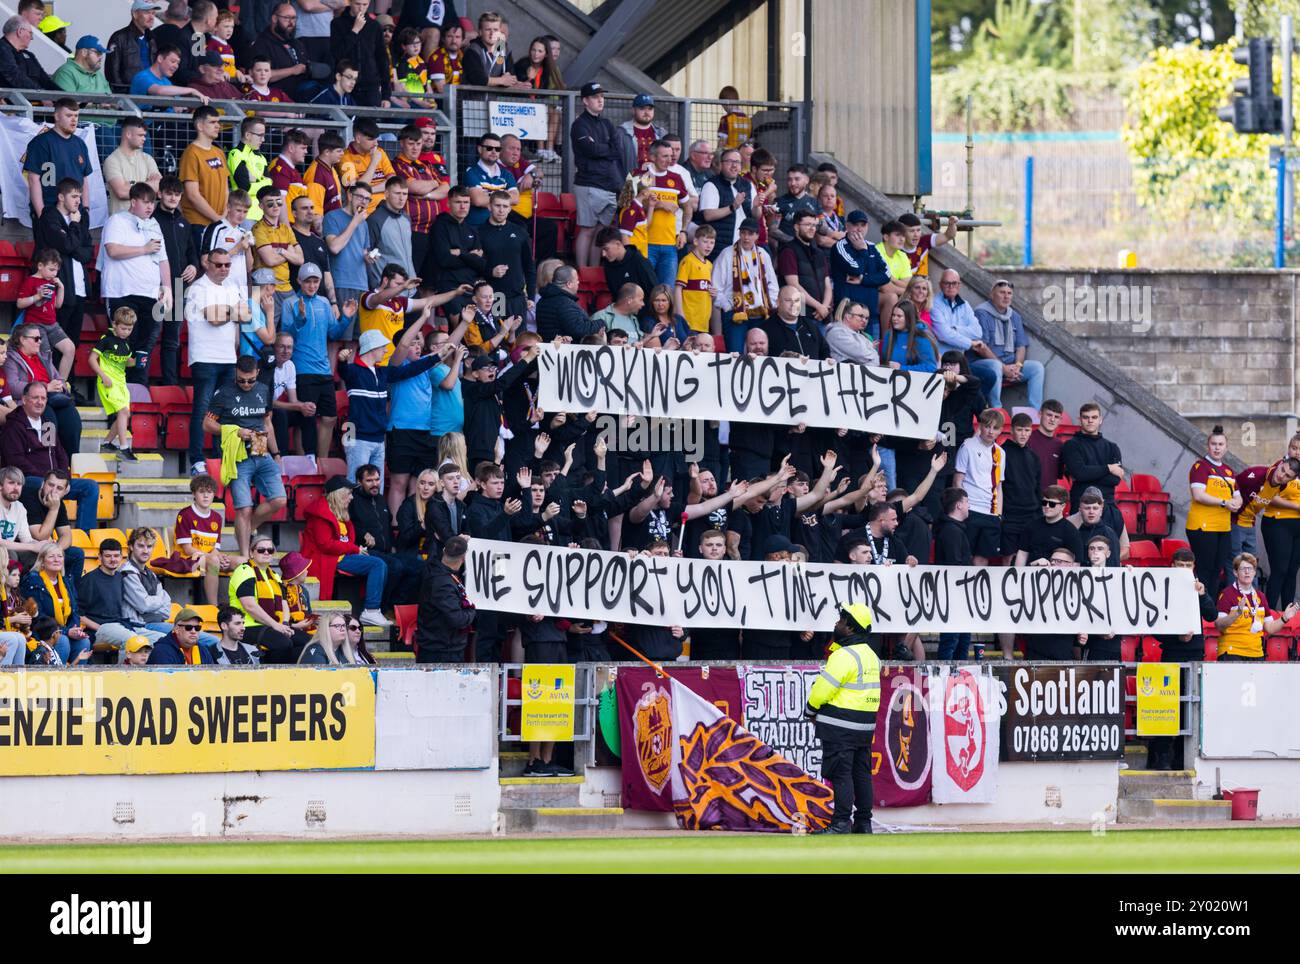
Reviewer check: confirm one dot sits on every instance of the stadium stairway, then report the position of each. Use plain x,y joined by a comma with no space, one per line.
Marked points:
1154,439
548,804
1166,796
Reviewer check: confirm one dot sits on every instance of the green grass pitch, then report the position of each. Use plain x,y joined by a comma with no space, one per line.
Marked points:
1243,850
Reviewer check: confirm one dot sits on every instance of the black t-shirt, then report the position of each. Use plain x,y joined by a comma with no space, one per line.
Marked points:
237,656
658,524
36,512
717,519
816,533
1043,538
772,520
1086,532
886,547
243,407
313,252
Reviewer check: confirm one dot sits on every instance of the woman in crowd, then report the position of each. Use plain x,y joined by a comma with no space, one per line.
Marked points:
258,592
16,613
334,646
56,597
919,293
659,321
831,228
1245,618
1280,530
1214,498
330,543
907,343
963,400
29,360
7,401
539,71
411,514
451,448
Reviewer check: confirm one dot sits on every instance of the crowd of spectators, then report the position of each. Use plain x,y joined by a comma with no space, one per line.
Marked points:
425,295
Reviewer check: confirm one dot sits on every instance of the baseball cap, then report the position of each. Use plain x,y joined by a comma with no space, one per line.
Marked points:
592,89
211,59
1092,495
187,615
308,270
52,23
750,224
147,5
643,100
338,481
266,276
136,643
370,340
385,20
777,544
858,217
91,42
482,362
426,122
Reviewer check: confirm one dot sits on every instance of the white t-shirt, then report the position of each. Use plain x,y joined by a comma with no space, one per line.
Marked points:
982,467
284,379
211,343
223,236
138,275
13,523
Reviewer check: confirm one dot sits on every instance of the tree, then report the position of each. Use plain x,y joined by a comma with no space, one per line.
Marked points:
1261,18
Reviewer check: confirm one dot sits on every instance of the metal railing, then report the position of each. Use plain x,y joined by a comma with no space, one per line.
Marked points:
586,702
461,120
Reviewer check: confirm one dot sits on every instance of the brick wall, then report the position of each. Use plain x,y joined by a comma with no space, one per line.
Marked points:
1216,346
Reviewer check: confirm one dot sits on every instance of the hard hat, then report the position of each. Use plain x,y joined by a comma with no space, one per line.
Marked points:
857,613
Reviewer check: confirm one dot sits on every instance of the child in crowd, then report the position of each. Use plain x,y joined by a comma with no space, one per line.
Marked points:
411,71
219,43
635,202
693,295
40,298
197,538
109,361
735,128
293,570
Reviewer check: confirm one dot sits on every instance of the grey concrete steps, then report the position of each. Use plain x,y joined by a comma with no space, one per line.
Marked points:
530,793
1174,811
560,820
1157,784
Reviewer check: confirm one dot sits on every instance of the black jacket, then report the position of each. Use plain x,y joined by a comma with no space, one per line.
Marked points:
558,313
178,241
1084,459
371,516
365,50
438,527
445,615
283,53
481,66
448,234
410,533
509,244
633,268
482,419
596,153
167,652
951,544
960,408
70,238
20,70
802,338
1021,493
122,62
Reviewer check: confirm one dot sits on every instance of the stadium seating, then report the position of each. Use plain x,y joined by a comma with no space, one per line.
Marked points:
1143,553
1157,515
1169,546
405,616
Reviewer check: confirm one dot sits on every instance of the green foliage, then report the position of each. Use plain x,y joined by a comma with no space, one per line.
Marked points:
1021,32
1186,160
1005,97
1261,18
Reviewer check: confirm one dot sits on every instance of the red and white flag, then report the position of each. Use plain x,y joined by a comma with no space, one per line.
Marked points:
964,728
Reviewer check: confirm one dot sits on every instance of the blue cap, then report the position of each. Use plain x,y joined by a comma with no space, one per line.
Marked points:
643,100
858,217
90,42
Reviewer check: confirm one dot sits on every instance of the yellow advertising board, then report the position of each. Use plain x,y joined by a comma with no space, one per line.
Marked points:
547,712
186,721
1159,687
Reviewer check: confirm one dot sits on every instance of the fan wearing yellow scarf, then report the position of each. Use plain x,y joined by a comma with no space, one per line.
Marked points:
56,597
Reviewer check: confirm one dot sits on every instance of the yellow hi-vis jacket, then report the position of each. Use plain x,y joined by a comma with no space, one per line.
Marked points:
846,694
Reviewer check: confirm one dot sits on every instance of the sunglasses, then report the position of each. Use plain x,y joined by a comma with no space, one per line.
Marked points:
491,147
189,627
264,549
354,627
1050,503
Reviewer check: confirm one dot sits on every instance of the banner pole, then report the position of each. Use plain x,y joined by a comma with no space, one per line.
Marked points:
649,662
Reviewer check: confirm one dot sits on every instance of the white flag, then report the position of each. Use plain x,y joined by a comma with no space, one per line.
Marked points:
964,731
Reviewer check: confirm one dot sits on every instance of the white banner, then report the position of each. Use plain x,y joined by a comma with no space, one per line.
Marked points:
525,119
964,728
783,391
1247,713
18,132
667,591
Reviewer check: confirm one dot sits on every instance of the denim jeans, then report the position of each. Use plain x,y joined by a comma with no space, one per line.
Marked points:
15,649
359,452
69,649
954,645
989,372
663,262
86,494
888,465
258,471
207,376
375,572
734,333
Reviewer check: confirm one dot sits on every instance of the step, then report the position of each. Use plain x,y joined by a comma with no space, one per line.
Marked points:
1174,811
528,793
511,763
147,465
157,513
1135,755
142,486
92,417
92,439
560,820
1157,784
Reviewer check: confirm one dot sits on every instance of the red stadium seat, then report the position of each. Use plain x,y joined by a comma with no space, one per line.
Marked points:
1143,553
1277,649
1131,509
1128,649
406,623
1211,649
1156,515
1169,546
1151,650
551,207
592,289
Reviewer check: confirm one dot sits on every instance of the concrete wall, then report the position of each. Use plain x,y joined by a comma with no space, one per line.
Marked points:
1216,346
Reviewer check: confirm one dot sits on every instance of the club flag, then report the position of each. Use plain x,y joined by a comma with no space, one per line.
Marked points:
901,752
964,727
724,778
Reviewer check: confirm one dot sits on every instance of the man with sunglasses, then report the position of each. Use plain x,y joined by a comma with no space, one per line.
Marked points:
486,176
1053,531
181,646
244,406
